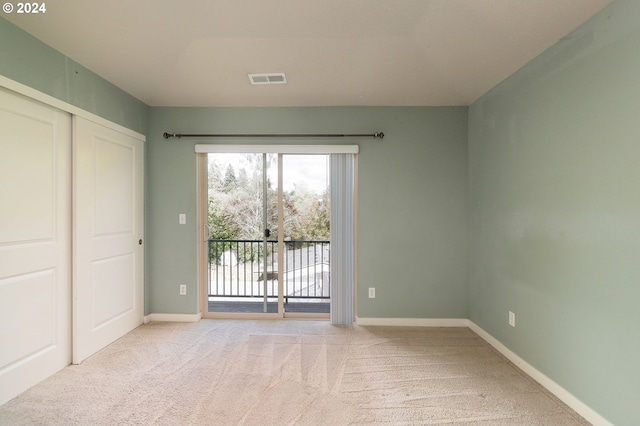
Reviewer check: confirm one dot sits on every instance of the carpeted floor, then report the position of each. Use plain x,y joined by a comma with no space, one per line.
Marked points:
219,372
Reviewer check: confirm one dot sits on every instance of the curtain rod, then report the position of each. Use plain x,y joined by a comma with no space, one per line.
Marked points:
330,135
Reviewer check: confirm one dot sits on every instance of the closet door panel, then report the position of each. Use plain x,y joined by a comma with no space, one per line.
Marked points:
108,231
35,242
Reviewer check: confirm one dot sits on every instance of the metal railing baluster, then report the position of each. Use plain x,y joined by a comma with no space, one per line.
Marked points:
304,267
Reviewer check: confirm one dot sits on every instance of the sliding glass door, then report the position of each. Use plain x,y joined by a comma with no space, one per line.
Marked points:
269,238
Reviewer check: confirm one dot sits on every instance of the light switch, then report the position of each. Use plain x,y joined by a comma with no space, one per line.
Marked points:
182,218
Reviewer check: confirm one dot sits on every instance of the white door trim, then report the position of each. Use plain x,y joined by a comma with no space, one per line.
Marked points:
64,106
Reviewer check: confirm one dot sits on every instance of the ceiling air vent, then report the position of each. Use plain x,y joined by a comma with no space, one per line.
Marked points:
272,78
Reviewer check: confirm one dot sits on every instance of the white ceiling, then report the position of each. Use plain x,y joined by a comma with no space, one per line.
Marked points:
334,52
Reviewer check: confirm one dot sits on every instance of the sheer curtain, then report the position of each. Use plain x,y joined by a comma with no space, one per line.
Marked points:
342,182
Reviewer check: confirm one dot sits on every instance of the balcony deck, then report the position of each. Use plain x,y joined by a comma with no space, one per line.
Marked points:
272,307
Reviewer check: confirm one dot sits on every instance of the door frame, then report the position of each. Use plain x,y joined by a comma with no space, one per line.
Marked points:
201,151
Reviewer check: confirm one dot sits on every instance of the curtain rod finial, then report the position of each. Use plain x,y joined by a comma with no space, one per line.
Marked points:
378,135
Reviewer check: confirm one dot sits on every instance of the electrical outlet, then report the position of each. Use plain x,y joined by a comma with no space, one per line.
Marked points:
183,289
372,292
182,219
512,319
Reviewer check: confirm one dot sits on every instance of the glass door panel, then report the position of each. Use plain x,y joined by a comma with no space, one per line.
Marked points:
242,222
306,221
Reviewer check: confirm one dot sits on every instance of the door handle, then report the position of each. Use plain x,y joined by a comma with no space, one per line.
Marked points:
140,241
267,233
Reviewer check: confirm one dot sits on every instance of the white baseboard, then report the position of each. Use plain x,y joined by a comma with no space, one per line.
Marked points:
173,317
564,395
414,322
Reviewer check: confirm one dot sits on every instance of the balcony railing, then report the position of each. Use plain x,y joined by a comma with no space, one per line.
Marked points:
237,270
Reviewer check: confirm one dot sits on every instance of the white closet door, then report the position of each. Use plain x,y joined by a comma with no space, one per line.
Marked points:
108,232
35,242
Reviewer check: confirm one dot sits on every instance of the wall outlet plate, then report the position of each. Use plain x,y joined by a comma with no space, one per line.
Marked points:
183,289
512,319
372,292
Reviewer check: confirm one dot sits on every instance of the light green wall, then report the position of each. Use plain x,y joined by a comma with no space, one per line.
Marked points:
27,60
554,178
412,215
412,233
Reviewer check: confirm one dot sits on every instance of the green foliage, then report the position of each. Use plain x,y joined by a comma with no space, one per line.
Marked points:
318,219
236,209
230,182
221,227
309,216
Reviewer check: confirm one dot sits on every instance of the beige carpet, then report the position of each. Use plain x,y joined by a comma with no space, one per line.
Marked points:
216,372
